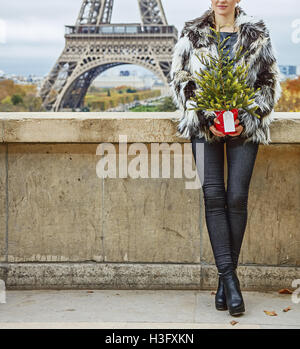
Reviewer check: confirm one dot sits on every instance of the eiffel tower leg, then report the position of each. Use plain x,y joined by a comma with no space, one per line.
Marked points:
55,82
166,68
75,96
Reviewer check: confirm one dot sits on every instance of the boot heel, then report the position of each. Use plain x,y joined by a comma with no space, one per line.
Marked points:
237,310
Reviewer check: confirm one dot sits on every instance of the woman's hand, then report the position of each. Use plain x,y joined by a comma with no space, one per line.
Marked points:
238,128
214,130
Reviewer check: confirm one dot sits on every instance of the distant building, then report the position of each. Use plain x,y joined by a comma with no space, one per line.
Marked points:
288,71
125,73
22,80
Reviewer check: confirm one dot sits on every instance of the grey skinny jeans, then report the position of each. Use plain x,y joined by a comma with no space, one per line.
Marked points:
226,211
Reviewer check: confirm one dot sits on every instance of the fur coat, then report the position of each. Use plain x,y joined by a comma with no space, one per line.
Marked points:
263,72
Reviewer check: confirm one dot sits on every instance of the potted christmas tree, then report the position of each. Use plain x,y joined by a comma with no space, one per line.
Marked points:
223,88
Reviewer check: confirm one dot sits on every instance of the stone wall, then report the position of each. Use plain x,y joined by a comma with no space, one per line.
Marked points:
62,226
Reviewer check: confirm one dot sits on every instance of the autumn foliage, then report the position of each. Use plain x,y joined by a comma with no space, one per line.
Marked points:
18,98
102,99
290,98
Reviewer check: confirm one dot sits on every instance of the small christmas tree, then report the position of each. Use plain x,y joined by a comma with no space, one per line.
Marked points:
223,87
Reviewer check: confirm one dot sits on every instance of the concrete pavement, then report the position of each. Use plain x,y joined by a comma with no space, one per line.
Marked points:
141,309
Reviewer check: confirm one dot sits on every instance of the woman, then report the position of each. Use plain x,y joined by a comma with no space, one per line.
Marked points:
226,211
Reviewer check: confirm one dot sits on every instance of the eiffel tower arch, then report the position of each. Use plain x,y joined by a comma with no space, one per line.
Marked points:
94,45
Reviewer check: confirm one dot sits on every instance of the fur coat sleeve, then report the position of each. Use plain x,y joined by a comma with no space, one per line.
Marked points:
182,87
267,78
263,72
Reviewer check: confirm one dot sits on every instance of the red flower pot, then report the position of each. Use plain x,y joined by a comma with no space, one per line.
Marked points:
220,127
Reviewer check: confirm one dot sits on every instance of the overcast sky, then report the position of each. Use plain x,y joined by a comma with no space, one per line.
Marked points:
35,29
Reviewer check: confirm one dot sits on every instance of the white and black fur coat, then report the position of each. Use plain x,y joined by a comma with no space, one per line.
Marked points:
263,72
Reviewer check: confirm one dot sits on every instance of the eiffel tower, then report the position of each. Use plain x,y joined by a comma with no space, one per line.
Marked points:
94,45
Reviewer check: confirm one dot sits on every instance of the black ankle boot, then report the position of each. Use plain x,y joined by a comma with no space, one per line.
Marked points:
234,298
220,299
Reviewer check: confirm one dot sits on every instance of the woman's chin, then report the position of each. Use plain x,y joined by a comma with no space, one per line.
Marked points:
222,12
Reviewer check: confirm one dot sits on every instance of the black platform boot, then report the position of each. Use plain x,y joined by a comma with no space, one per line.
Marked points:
220,299
234,298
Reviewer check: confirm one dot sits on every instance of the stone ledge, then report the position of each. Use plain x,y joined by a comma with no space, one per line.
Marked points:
107,126
139,276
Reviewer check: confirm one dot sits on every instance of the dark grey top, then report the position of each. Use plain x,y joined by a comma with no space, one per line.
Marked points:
230,42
